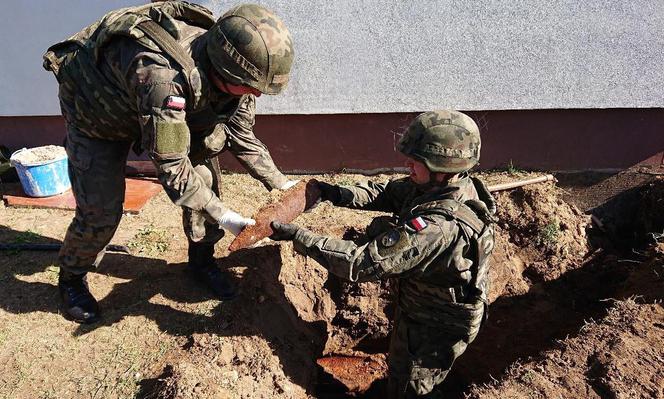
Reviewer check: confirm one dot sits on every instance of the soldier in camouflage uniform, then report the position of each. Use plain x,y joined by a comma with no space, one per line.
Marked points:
168,79
436,245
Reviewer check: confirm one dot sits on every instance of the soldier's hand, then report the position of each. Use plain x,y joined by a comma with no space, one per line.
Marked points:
283,231
329,192
288,185
234,222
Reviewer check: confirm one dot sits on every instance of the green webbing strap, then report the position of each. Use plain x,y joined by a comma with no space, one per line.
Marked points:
469,217
457,210
169,45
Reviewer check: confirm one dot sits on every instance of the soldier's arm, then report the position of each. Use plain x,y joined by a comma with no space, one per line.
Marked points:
396,252
248,149
165,134
371,196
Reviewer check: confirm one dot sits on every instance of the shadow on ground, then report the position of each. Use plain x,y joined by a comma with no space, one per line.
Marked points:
145,280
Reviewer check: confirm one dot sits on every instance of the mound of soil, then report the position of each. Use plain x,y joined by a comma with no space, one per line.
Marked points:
617,357
549,232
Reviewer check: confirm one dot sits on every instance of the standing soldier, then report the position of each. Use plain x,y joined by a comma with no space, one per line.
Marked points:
437,245
175,83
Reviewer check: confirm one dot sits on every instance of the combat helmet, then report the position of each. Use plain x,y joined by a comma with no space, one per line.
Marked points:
445,141
250,46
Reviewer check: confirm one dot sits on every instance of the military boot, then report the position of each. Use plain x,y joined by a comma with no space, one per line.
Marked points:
76,301
204,269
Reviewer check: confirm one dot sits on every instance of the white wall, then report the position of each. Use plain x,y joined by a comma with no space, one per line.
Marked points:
27,29
398,56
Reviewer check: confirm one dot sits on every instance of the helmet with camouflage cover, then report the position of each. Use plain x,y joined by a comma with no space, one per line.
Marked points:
445,141
250,46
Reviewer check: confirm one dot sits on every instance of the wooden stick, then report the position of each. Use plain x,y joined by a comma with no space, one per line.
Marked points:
515,184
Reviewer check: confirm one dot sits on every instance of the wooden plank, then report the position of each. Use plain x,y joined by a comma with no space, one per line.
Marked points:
138,192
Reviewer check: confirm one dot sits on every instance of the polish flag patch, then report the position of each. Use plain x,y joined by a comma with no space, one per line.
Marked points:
418,223
175,102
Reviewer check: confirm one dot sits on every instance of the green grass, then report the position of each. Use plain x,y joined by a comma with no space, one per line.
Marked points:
549,234
26,237
150,241
513,169
528,376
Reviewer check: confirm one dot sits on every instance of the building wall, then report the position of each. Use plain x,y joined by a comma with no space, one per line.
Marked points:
387,56
28,28
537,75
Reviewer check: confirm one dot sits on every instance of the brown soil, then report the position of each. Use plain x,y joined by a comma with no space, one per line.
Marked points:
553,330
617,356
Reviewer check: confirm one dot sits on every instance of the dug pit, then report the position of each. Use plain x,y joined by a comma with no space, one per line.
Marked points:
311,334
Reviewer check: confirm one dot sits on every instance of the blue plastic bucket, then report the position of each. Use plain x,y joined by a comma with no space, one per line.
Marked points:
42,178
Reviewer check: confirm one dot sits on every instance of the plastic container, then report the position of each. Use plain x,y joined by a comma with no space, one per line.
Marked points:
42,177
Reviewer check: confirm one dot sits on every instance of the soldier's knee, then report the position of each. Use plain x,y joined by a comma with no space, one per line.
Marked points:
425,382
96,223
421,381
106,214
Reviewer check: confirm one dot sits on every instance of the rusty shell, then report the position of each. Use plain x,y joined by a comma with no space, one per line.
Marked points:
296,200
356,373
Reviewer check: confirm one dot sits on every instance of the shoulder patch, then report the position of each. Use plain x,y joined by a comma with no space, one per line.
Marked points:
418,224
392,242
175,102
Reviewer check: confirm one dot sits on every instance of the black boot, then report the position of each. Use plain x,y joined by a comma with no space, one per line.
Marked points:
77,302
204,269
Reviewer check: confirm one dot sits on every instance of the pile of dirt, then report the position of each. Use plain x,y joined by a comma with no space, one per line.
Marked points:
617,357
526,343
547,283
549,232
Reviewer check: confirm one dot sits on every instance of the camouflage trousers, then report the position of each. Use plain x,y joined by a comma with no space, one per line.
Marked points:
97,173
420,358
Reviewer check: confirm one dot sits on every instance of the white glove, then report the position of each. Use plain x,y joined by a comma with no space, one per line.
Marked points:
234,222
288,185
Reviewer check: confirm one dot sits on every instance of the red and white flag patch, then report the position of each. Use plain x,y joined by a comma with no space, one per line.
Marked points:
418,223
175,102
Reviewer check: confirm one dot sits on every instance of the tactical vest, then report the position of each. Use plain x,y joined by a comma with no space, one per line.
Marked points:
153,26
452,292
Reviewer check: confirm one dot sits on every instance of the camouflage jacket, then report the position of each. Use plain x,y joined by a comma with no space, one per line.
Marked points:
424,244
117,84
